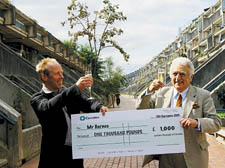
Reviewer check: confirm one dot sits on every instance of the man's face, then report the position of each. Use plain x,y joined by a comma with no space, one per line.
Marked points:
181,78
54,80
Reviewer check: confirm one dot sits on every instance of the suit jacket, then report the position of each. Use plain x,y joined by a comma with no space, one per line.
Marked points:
198,104
49,110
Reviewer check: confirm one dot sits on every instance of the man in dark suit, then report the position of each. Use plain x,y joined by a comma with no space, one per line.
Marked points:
53,106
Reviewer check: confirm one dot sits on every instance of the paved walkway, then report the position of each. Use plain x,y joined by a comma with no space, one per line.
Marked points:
216,151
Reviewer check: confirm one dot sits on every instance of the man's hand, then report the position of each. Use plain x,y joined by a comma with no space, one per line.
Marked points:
84,82
103,110
188,122
156,85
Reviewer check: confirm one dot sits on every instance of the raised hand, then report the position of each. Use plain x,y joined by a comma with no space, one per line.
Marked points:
84,82
156,85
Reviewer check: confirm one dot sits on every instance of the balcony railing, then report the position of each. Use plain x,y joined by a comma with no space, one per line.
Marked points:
5,117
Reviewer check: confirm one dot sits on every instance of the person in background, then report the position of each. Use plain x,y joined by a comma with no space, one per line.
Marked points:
117,99
199,115
53,106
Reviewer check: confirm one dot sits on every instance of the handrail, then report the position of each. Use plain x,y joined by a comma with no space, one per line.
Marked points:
215,82
7,118
220,110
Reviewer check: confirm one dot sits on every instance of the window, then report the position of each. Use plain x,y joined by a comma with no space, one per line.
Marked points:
210,42
223,4
1,13
221,37
39,37
20,25
184,37
200,25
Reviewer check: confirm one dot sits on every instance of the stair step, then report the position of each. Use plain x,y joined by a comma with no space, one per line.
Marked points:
221,132
3,163
220,135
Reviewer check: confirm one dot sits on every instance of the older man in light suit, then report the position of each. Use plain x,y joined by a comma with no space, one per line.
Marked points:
199,115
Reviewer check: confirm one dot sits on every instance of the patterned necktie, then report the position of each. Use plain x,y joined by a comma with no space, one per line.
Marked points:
179,101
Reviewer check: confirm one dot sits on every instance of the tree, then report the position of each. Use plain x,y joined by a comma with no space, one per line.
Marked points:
98,29
107,82
70,44
113,80
86,56
108,68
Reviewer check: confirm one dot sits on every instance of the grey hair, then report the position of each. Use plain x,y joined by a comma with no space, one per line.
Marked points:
182,61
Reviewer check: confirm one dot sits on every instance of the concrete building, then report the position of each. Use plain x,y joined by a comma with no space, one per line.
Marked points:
24,34
203,41
23,42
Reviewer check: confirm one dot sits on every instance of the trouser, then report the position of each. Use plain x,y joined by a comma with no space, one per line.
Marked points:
74,163
172,161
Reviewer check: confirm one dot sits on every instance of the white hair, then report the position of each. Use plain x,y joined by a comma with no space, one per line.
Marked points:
185,62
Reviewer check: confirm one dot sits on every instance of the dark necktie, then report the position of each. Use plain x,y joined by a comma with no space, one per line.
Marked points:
179,101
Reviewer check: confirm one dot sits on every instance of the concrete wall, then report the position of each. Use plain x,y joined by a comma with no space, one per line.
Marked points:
31,143
69,75
214,94
19,100
13,133
17,144
12,64
209,70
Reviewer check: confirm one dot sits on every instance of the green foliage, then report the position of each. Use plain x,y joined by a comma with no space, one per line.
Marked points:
98,28
87,57
197,52
221,114
183,51
70,44
107,82
203,54
108,68
112,81
115,79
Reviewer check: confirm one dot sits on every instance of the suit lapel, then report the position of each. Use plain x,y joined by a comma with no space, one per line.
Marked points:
167,98
191,98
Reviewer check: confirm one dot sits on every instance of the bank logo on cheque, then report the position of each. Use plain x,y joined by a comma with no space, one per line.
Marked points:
82,118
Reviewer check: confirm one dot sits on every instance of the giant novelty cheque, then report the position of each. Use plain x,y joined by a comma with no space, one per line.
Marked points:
127,133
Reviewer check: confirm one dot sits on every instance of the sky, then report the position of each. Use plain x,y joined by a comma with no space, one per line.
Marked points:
150,27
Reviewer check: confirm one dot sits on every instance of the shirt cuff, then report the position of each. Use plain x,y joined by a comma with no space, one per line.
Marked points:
198,128
146,93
